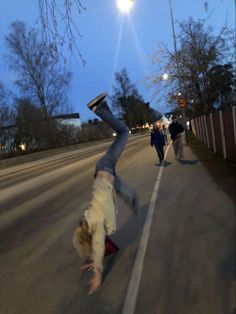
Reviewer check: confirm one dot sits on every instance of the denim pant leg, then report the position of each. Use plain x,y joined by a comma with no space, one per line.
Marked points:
124,190
175,146
180,147
109,160
160,151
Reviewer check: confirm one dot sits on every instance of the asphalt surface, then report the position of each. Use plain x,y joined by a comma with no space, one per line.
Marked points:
189,264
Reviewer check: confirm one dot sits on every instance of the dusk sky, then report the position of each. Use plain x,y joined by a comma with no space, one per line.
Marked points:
112,41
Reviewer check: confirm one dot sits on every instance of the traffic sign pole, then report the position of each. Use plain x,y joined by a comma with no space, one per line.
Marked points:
182,103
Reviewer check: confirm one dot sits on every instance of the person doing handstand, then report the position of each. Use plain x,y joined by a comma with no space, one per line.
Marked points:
90,238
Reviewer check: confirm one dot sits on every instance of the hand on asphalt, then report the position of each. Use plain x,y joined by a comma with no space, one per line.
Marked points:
95,282
87,266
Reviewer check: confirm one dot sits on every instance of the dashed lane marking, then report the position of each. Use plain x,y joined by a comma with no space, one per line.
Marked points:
133,289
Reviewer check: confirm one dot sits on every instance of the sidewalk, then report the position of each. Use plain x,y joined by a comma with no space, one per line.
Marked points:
190,261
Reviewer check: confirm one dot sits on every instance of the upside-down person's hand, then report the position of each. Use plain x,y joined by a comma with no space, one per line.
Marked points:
88,266
95,282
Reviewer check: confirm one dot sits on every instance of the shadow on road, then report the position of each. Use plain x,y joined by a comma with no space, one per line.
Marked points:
188,162
165,164
124,237
109,265
102,301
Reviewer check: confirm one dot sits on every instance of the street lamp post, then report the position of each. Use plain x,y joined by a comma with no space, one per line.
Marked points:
174,39
124,7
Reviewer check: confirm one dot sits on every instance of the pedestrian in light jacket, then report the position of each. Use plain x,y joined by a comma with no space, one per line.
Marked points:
176,129
158,140
165,132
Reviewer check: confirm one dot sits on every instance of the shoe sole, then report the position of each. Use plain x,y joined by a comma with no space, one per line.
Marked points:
96,100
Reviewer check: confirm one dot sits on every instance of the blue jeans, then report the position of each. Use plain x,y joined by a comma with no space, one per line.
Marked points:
160,151
109,160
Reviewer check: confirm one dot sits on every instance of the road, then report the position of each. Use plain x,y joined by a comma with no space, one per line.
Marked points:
40,204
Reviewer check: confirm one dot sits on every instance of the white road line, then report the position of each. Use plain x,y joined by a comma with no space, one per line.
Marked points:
133,289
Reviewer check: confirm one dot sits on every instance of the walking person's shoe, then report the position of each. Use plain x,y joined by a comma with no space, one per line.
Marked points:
96,101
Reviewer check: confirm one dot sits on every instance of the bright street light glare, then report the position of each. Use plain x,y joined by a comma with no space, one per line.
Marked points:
165,76
125,5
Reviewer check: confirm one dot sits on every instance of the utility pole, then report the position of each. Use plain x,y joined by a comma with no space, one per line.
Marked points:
175,45
177,60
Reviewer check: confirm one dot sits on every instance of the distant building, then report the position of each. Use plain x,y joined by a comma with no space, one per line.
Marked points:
164,120
69,119
168,115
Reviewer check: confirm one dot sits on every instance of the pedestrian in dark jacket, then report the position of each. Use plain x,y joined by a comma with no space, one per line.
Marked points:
176,129
158,140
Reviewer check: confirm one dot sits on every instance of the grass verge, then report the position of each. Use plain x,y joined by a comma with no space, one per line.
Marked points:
222,171
4,163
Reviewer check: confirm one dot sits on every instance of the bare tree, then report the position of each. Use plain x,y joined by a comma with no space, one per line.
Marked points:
6,118
59,27
40,77
6,112
206,5
129,103
199,52
29,125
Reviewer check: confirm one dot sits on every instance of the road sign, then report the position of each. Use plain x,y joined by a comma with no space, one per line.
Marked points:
182,102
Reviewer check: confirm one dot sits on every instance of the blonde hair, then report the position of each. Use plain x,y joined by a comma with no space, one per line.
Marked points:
82,240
